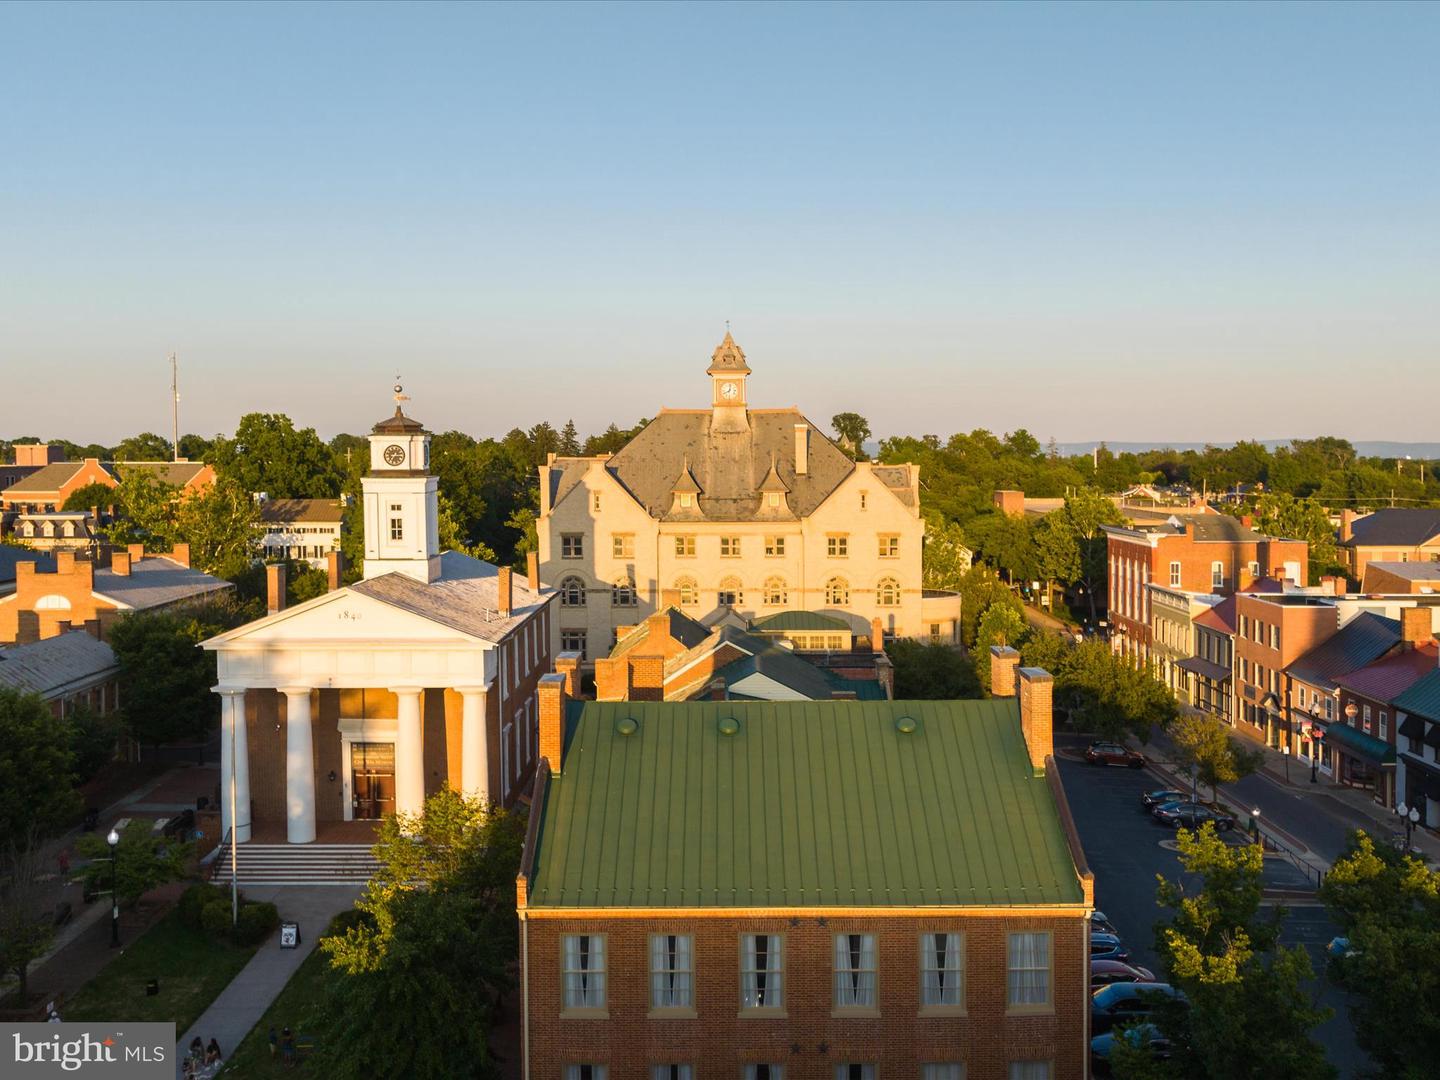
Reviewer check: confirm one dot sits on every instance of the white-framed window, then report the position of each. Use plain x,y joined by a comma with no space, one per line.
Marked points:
761,1071
1027,974
1384,729
774,547
585,1072
730,547
837,545
672,971
671,1072
622,545
572,545
622,594
684,547
1274,635
851,1070
731,593
1217,575
1175,574
888,546
397,524
762,971
572,641
572,592
583,971
688,590
942,1070
1365,716
887,593
1030,1070
942,970
854,971
837,592
776,593
1254,568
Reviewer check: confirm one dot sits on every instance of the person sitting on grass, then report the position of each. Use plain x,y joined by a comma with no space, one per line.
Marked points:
212,1053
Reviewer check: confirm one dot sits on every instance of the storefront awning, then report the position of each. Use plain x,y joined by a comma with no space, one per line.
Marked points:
1412,727
1359,744
1208,668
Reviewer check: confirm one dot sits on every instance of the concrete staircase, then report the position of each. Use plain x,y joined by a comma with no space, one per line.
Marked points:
295,864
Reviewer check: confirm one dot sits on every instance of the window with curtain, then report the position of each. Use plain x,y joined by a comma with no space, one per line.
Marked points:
1028,969
584,974
762,976
672,971
942,969
854,971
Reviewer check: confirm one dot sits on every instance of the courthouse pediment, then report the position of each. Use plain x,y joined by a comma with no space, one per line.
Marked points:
340,618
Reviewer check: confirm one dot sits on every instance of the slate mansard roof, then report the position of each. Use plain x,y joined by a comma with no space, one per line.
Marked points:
807,804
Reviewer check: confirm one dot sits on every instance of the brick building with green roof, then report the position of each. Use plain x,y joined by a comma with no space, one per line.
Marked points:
732,889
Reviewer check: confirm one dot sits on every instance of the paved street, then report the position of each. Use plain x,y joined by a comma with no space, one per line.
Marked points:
1124,847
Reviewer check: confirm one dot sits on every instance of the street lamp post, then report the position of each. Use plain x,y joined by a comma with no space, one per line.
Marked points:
1316,737
1411,817
113,839
1255,824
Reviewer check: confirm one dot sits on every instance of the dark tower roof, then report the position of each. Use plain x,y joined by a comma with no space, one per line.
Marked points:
399,424
728,357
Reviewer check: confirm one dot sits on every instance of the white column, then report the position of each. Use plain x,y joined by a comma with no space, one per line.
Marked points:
409,752
234,771
474,744
299,766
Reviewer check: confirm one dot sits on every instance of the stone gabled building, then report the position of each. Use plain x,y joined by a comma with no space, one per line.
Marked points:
733,509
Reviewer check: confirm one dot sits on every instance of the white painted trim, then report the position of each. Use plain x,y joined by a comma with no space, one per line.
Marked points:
353,730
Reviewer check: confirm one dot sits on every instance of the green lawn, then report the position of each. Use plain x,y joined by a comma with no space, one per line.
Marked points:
192,968
296,1007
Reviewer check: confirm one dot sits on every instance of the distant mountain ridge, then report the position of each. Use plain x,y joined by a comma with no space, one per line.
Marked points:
1419,450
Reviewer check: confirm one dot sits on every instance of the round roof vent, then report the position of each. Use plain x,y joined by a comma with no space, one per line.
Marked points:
626,725
728,726
906,725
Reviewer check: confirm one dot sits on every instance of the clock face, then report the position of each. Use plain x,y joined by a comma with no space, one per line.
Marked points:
729,390
394,454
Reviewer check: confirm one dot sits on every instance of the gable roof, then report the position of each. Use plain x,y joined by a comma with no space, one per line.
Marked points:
465,597
1397,527
1363,640
681,627
155,581
796,677
1422,697
55,664
1392,675
47,478
286,511
811,804
1406,571
174,473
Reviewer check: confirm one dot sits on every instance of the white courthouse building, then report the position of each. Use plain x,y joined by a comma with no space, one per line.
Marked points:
365,700
731,509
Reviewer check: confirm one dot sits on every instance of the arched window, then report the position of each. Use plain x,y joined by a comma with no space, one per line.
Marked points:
777,593
887,593
688,590
572,592
837,592
622,593
731,593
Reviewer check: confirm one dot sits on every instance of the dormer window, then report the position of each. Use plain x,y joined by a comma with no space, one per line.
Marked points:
774,499
686,500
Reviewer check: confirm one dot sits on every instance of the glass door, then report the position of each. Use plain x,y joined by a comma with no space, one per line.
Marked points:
372,780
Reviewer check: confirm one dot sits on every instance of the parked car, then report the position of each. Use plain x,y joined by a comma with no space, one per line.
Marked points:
1119,1003
1105,972
1152,799
1107,947
1137,1035
1192,816
1111,753
1099,921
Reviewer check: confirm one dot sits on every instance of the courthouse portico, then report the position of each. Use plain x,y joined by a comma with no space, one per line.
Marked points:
361,702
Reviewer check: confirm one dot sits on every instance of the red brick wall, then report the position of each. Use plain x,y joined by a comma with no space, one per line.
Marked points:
717,1042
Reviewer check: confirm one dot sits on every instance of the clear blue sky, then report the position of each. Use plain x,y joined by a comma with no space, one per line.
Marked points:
1126,222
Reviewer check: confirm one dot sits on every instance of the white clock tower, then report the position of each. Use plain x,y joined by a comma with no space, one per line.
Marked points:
401,500
727,372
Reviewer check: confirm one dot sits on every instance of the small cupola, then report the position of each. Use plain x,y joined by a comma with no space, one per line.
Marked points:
774,494
685,495
728,371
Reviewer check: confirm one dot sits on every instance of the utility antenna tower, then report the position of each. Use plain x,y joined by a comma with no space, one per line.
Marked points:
174,407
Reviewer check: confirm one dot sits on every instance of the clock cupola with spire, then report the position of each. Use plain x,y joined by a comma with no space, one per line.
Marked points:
401,499
728,372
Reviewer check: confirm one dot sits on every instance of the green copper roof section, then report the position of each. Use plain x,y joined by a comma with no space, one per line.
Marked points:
808,804
1423,697
788,621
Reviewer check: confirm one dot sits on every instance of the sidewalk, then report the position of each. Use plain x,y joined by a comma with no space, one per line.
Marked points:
241,1004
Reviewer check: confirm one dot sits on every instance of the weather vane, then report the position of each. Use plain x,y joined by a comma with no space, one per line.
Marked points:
400,394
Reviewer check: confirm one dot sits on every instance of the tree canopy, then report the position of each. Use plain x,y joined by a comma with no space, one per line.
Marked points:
37,768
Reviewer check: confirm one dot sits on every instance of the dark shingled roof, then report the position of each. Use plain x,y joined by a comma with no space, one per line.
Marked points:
1395,528
809,804
689,632
399,424
174,473
285,511
47,478
465,597
1363,640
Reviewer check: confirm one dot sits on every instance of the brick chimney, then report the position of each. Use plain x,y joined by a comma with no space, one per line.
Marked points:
568,664
65,562
1415,626
1347,525
1010,502
1003,662
332,570
1342,584
274,587
802,449
877,635
120,563
1037,691
180,553
1248,520
505,594
717,689
550,692
137,552
532,571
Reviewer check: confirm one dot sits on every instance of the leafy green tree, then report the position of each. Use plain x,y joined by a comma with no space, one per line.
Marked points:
1001,624
523,521
612,439
852,429
980,588
569,440
452,539
946,557
304,582
195,447
92,738
37,768
144,447
146,508
1204,743
1388,903
1109,697
220,525
142,862
1071,543
925,672
27,906
90,495
1249,1014
1007,543
268,453
1302,519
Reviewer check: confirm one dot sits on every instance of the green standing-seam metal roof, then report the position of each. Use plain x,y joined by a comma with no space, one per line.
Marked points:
789,621
811,804
1423,697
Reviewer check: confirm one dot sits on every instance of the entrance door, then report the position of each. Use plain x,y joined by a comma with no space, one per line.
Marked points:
372,780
